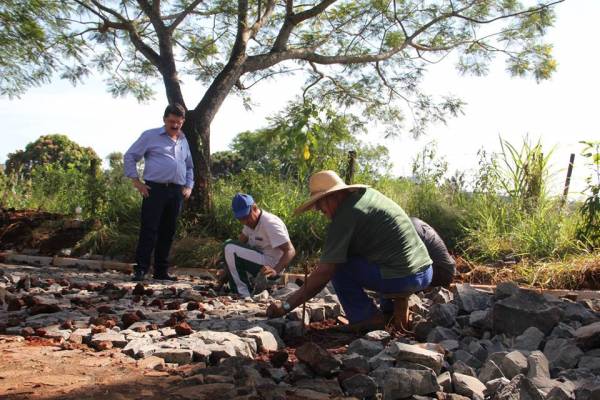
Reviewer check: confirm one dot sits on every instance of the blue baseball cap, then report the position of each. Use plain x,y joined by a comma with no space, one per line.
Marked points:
241,205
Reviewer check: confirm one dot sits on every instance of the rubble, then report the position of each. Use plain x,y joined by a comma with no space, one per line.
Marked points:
468,344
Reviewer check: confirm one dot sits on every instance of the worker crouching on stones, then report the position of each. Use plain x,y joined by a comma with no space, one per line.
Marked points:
370,244
263,250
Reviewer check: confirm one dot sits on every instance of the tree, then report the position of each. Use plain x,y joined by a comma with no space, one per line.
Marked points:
306,137
33,42
226,163
56,149
356,52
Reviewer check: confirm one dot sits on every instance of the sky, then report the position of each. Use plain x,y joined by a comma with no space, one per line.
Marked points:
560,112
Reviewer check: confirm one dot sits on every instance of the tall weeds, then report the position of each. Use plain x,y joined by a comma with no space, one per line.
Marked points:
505,212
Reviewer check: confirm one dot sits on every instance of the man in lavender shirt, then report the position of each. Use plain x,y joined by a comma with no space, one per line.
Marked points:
168,179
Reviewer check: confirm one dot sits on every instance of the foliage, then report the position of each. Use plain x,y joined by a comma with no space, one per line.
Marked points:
523,173
509,213
307,137
369,56
427,167
56,150
226,163
397,39
485,224
366,56
35,44
588,230
193,252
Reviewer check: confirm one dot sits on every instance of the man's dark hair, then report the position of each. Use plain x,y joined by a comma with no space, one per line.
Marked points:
175,109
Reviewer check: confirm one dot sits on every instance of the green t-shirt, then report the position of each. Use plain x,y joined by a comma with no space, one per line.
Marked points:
370,225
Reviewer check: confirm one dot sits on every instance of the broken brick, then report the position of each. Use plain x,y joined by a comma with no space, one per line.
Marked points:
160,303
98,329
129,318
27,331
183,329
138,290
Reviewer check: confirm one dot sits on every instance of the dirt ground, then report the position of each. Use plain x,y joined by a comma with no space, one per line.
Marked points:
35,369
39,369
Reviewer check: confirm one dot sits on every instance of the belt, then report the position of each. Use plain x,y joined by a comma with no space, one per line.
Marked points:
164,185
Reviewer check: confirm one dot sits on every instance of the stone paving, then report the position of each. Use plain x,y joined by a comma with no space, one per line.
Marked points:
511,344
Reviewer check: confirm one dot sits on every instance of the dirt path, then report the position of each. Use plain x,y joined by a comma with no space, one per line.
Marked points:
40,370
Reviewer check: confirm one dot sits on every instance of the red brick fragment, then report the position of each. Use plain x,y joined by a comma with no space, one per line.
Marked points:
27,331
138,290
128,319
183,329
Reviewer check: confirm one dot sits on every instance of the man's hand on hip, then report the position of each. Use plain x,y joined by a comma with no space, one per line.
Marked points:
186,192
142,188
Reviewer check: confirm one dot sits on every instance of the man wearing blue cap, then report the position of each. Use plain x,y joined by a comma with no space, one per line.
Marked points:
264,246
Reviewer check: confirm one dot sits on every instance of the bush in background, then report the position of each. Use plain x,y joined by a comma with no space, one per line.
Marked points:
504,214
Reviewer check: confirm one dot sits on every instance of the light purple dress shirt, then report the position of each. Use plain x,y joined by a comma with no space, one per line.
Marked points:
165,160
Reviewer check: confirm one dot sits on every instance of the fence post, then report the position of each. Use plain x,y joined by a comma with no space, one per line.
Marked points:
92,188
568,179
350,168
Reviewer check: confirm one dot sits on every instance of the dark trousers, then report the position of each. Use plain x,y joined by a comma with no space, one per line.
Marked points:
160,211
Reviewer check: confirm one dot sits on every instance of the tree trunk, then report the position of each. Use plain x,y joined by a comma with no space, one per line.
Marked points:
197,131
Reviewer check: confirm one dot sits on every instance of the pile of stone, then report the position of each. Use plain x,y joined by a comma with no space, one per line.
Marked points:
180,322
468,344
512,344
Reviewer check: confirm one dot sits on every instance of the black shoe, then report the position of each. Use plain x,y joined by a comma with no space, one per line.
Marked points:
138,275
164,277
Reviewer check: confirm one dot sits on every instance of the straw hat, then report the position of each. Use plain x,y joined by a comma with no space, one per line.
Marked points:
321,184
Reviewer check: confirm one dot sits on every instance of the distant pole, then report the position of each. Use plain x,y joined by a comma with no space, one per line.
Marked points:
350,169
568,180
92,188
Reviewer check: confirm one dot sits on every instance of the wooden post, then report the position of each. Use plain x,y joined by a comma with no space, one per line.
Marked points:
93,191
350,168
568,179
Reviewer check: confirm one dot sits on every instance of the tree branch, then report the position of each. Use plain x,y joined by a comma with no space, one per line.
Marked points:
312,12
242,86
181,16
153,12
243,33
262,20
105,9
292,20
489,21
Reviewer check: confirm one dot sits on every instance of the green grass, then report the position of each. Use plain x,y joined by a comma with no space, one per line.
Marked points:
481,227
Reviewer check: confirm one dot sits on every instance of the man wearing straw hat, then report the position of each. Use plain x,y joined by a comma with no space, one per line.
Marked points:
370,244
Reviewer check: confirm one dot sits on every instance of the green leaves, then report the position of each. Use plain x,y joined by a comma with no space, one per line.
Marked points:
33,43
588,230
366,55
121,86
198,49
57,150
306,137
